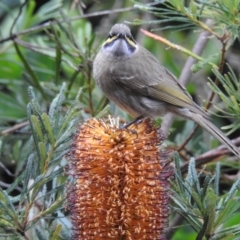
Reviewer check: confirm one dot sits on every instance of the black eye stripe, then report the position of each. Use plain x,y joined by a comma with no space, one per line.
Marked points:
110,36
120,35
113,37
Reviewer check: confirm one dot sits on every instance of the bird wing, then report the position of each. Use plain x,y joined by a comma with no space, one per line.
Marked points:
162,86
167,88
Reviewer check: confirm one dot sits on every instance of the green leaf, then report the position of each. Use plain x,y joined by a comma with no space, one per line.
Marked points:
56,232
7,206
37,127
202,64
43,156
6,224
58,64
57,204
48,128
55,108
35,107
40,181
27,176
29,70
40,234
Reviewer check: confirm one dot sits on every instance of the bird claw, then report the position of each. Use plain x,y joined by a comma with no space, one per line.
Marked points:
127,125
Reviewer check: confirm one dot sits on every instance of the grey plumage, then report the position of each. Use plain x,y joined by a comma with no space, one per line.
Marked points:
133,78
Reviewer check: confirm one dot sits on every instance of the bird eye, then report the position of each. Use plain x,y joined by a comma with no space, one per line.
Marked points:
110,36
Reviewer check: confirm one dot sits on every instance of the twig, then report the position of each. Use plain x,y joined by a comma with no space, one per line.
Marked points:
17,17
210,155
35,48
6,170
47,24
172,228
224,40
182,146
6,185
14,128
175,46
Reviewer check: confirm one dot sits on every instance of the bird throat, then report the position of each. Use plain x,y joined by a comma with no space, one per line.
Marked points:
120,48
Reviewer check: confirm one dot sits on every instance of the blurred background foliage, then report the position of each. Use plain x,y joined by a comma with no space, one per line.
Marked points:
47,89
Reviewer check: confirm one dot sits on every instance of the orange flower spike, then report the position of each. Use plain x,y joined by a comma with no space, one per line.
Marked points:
121,182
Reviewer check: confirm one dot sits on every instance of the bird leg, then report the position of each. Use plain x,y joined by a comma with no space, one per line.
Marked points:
132,122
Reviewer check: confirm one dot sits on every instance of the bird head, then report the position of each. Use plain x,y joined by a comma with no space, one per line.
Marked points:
120,42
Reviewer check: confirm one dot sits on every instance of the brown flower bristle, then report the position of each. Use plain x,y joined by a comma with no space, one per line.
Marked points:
121,183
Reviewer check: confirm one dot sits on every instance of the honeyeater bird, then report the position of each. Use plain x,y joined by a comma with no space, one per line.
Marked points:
133,79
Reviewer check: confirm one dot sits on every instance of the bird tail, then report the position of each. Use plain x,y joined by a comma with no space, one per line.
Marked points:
217,133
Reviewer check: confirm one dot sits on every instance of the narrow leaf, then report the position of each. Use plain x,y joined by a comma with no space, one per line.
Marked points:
48,128
29,70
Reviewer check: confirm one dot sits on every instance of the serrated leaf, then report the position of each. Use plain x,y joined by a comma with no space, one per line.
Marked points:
210,210
6,224
55,107
43,156
15,183
2,197
36,109
192,177
227,234
8,206
37,127
67,119
232,191
48,128
208,179
56,232
41,180
201,64
27,176
58,203
226,212
103,112
235,103
178,173
40,234
197,200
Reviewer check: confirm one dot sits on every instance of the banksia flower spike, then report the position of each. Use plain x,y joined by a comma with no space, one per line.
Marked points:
120,188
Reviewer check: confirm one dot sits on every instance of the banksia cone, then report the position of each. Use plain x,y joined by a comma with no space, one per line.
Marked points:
121,182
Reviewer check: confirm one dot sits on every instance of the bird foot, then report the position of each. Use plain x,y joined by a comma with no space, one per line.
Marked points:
127,125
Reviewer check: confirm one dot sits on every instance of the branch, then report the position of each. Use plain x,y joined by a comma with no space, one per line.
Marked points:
210,155
47,24
177,220
14,128
175,46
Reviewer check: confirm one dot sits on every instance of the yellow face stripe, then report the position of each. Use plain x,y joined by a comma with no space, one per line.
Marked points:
110,39
130,41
